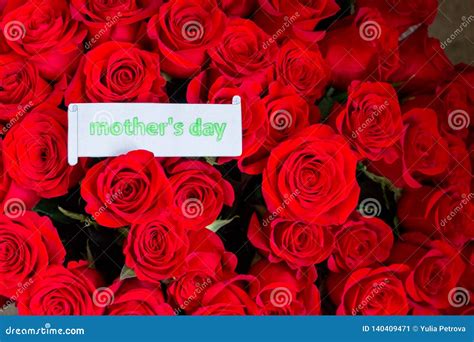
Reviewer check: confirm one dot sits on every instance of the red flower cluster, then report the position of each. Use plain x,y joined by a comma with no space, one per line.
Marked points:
353,194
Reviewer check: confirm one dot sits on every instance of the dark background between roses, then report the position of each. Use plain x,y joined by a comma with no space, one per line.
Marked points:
95,243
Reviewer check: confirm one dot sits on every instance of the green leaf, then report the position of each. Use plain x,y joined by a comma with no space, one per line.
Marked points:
385,183
255,259
261,210
330,92
50,208
341,97
74,216
90,256
168,281
127,273
123,231
166,76
396,224
397,84
325,107
211,160
218,224
353,6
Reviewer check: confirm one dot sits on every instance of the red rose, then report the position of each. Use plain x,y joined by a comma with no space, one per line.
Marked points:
311,177
207,263
35,153
376,291
471,157
284,291
126,189
115,20
467,310
458,102
360,242
29,243
22,89
200,192
422,154
371,120
298,244
427,101
438,214
436,268
457,177
134,297
187,292
467,254
206,88
452,126
361,47
199,88
228,298
298,18
403,14
287,114
44,33
62,291
254,119
13,198
423,63
156,249
117,72
184,30
241,55
303,68
425,152
238,8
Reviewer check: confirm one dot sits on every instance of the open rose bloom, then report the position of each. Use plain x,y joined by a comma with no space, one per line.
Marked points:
353,195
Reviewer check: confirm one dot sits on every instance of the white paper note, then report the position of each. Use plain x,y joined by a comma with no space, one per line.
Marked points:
166,129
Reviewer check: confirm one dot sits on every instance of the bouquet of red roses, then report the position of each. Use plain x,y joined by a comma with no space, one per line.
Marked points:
353,194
